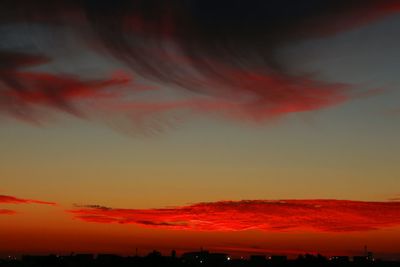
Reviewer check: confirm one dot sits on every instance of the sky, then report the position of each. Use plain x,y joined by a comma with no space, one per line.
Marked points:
269,127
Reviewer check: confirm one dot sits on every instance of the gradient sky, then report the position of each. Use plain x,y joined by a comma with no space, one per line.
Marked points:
345,151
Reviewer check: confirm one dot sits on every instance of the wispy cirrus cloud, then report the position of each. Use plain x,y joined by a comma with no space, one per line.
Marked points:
15,200
23,91
187,46
264,215
5,200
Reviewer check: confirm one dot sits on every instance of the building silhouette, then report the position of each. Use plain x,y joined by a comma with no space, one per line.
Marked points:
194,259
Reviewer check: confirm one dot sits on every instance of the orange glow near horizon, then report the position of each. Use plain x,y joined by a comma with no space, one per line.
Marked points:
43,229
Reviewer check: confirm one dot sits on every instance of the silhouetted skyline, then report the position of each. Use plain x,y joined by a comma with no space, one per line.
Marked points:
194,258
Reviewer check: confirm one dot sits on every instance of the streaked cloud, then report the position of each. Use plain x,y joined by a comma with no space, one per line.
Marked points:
6,200
263,215
15,200
188,47
23,91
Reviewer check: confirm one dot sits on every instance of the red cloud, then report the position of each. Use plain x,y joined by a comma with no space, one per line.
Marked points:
260,96
7,212
282,215
225,55
251,95
21,91
14,200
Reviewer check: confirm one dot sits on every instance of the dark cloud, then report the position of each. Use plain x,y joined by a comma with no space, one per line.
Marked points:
225,52
395,198
264,215
23,91
92,207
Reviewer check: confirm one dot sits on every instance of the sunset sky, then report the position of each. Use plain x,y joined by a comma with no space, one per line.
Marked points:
273,131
